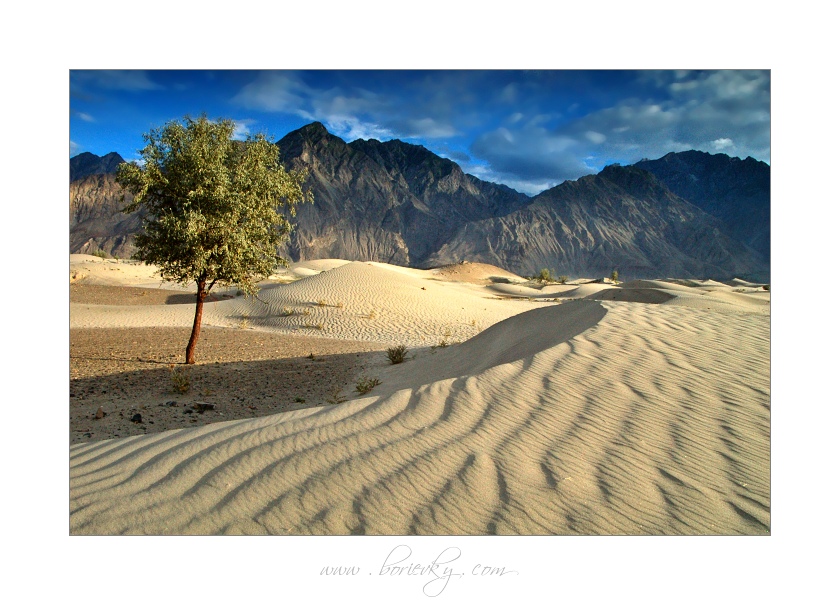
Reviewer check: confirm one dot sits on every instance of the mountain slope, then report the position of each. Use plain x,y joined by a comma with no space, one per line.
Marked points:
733,190
622,218
392,202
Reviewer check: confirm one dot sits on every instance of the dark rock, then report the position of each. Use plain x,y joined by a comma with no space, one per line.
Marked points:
137,419
100,414
202,406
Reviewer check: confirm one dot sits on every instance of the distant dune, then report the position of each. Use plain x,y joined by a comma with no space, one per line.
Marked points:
588,408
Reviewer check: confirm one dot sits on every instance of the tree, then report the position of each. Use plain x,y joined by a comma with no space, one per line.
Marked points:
614,275
544,276
211,207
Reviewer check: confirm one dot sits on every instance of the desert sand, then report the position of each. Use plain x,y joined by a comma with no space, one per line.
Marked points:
584,408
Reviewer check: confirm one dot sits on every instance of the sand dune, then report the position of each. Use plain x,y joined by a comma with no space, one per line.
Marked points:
583,417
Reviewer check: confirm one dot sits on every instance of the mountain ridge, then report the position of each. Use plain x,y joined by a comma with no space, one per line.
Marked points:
400,203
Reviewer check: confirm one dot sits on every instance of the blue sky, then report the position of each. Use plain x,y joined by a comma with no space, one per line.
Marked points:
530,130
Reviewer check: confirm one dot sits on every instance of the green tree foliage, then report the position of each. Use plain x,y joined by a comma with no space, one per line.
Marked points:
614,275
211,207
543,276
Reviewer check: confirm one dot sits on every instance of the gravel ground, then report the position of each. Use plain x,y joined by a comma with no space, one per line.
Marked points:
242,373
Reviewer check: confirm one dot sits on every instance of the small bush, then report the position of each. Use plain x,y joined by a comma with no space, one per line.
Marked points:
300,400
614,275
322,303
99,253
336,397
766,287
365,385
444,342
563,279
372,314
286,312
180,379
397,354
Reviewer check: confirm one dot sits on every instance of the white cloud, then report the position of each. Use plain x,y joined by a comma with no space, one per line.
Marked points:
595,137
74,148
85,116
722,144
350,129
242,129
429,128
275,91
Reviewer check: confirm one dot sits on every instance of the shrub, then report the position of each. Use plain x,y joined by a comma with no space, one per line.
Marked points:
614,275
563,279
322,303
99,253
336,397
397,354
180,379
365,385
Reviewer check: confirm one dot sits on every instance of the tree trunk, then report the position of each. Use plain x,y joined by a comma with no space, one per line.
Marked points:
200,295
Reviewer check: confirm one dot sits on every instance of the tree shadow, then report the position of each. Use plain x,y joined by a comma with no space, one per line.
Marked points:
236,389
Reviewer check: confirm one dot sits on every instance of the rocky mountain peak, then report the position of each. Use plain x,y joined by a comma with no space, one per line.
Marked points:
303,141
86,164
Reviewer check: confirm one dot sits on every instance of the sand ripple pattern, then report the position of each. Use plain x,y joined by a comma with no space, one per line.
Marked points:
642,419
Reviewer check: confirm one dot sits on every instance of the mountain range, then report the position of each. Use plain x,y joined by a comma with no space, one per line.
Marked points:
688,214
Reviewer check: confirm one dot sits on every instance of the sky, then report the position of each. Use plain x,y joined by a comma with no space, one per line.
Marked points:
530,130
